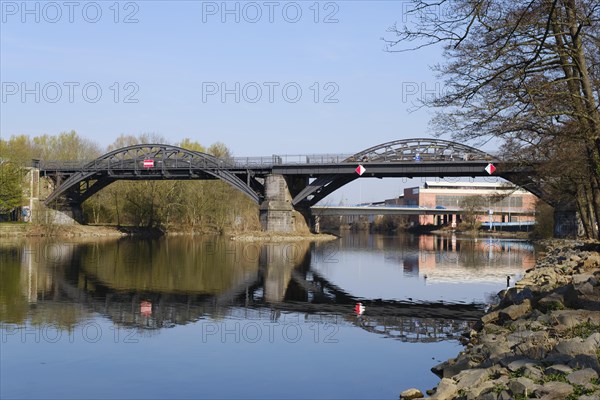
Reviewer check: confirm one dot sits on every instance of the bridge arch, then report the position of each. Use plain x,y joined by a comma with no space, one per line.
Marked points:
127,163
425,149
403,150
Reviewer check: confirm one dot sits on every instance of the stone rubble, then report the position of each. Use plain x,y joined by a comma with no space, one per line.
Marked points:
541,341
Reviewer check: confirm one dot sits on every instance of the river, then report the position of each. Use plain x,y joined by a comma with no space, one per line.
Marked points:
188,317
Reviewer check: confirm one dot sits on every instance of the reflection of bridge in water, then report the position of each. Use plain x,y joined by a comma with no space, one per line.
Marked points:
400,321
272,287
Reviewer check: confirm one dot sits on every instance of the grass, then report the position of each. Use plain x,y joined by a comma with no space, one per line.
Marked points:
499,388
554,378
583,330
553,306
579,390
517,374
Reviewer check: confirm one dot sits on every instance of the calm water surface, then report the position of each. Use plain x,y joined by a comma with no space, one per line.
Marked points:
211,318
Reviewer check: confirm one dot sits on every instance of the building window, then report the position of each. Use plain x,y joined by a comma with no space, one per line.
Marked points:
455,201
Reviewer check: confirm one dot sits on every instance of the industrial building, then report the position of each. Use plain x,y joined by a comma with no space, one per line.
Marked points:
499,202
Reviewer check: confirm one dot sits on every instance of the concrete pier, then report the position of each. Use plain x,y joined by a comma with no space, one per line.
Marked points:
276,211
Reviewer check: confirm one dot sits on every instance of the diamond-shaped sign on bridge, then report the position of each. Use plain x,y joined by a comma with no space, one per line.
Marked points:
360,169
490,169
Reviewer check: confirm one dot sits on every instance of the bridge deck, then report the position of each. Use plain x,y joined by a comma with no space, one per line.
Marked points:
373,169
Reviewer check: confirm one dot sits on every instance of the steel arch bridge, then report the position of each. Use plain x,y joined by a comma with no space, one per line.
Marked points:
169,162
309,178
419,151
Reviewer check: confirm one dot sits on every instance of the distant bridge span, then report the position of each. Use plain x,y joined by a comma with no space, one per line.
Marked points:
399,210
279,184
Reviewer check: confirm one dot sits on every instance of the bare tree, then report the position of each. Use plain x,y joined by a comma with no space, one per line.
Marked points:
524,71
472,208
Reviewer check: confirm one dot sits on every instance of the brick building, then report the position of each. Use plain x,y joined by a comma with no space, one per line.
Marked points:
506,202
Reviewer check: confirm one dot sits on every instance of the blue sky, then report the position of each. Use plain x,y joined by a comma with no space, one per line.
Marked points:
301,87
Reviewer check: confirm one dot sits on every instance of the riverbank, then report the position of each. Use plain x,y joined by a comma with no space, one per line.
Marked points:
541,341
259,236
23,230
483,233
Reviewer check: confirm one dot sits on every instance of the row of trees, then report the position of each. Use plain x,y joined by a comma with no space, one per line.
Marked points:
525,73
182,205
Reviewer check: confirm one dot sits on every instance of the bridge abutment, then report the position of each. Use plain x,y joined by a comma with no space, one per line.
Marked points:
74,211
566,222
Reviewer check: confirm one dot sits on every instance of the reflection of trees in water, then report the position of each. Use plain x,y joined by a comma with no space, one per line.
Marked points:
13,303
180,265
185,280
26,282
178,278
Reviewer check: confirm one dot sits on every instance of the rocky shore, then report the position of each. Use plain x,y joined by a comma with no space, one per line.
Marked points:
541,341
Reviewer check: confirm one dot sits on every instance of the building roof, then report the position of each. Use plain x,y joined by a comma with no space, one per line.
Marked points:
470,185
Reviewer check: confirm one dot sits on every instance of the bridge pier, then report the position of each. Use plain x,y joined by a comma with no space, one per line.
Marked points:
276,211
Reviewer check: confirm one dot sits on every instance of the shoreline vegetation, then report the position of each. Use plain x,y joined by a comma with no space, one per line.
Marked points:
199,205
21,229
542,340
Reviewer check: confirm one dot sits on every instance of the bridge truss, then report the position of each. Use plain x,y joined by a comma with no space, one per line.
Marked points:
421,150
128,163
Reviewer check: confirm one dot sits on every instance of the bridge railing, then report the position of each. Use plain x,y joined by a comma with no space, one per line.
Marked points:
59,165
290,159
235,162
305,159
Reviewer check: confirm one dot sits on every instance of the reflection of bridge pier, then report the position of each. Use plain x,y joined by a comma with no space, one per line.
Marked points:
279,261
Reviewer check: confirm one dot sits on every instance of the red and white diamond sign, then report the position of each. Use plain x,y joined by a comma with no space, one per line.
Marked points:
148,163
490,169
360,170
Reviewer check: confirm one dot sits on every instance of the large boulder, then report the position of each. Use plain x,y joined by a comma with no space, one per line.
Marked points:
576,346
522,387
554,391
471,378
582,377
446,389
410,394
516,311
